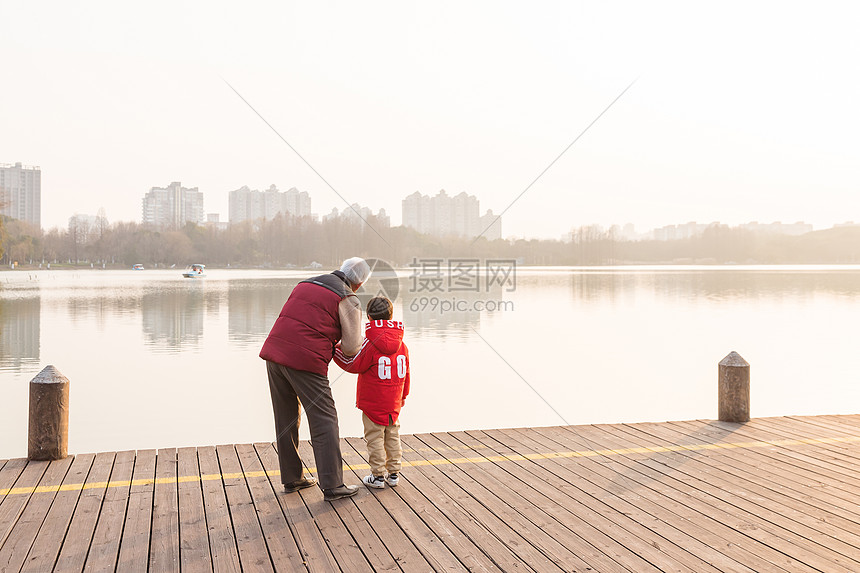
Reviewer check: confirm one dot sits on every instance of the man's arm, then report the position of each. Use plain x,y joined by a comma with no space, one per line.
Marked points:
351,333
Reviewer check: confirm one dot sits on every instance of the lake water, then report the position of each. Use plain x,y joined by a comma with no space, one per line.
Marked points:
155,360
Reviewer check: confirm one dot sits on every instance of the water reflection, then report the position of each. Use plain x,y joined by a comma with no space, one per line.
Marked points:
715,285
172,319
97,307
449,314
606,327
253,306
19,333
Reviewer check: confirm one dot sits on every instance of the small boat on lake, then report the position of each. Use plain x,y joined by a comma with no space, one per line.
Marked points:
137,267
194,271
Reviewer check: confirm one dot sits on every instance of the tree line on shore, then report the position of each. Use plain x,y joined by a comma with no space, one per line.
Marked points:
287,241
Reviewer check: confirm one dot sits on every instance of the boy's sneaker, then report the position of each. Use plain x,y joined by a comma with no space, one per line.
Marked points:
377,482
393,479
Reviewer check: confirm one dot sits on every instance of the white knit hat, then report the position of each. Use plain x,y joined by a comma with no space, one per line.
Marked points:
356,270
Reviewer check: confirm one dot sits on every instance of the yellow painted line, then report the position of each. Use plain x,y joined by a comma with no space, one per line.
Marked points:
438,462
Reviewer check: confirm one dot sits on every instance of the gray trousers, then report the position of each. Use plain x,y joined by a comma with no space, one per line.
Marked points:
289,387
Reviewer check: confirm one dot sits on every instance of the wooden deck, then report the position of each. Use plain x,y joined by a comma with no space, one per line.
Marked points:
775,494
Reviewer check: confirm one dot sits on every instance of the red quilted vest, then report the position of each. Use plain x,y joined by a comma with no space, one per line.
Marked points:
304,335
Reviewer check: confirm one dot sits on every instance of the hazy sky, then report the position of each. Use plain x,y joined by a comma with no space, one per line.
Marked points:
741,111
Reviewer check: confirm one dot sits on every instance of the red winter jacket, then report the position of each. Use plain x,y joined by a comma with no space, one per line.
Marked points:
382,366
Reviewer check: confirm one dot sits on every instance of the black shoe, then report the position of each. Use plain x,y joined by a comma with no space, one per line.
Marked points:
299,484
340,492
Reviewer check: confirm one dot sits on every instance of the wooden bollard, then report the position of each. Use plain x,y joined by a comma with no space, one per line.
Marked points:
734,389
48,438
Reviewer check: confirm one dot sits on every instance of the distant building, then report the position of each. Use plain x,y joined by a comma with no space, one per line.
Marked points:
214,220
249,204
684,231
416,213
490,225
628,232
443,216
357,213
21,192
778,228
173,206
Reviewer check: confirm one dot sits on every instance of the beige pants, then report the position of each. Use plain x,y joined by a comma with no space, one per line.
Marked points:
383,446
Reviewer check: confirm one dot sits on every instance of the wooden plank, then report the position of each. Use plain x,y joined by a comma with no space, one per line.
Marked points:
193,536
714,499
828,425
164,541
253,554
73,553
579,535
450,479
538,528
9,473
678,498
104,549
611,536
793,514
823,498
46,547
276,532
134,548
615,495
641,502
802,464
758,521
310,541
457,529
329,516
816,425
17,474
818,537
17,544
411,545
832,457
713,525
849,424
222,539
828,459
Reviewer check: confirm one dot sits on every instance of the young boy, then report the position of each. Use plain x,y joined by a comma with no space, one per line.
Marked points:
382,366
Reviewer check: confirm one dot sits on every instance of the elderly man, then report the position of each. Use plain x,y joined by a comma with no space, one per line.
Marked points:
319,312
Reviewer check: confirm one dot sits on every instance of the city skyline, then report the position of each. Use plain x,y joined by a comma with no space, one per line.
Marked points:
741,113
174,205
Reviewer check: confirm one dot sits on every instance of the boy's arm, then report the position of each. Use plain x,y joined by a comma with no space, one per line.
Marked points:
408,377
357,364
